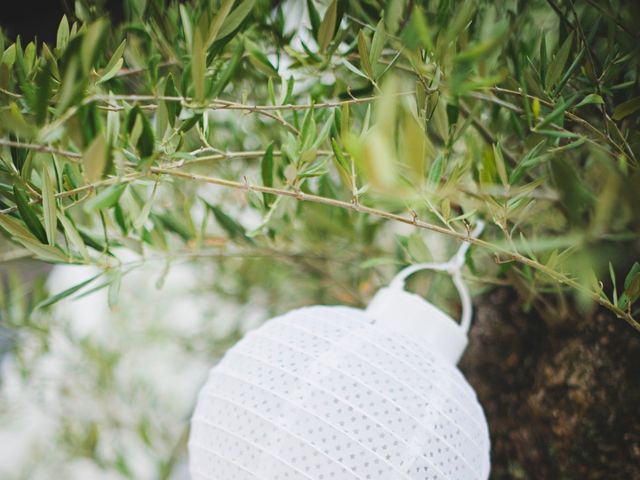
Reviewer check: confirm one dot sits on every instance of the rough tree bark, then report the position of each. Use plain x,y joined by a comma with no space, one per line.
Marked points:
562,400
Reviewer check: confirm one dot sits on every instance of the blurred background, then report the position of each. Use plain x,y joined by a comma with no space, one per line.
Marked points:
101,385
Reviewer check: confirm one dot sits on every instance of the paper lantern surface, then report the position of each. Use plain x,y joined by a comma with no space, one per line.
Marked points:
333,393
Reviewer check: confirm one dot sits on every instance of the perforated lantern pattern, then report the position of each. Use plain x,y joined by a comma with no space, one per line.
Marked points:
327,393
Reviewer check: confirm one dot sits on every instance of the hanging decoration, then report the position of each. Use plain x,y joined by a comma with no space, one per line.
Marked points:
340,393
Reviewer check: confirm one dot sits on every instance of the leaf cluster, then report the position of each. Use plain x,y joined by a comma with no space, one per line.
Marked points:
172,132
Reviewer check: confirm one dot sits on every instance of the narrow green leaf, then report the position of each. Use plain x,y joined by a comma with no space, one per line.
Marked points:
557,133
530,160
543,60
198,65
259,60
73,235
556,66
500,166
174,224
228,71
113,127
51,60
62,37
324,132
92,43
573,194
69,177
232,227
95,158
435,172
28,215
557,112
568,73
363,51
393,13
14,227
308,129
460,18
482,49
377,44
271,91
345,117
631,287
418,249
440,119
267,174
106,198
342,163
43,92
65,293
216,23
9,55
173,107
354,69
141,219
415,142
625,109
235,18
113,291
49,206
189,123
13,120
145,141
92,241
328,26
286,95
568,146
70,85
115,63
590,99
314,18
376,155
187,26
366,123
631,276
314,169
613,282
42,251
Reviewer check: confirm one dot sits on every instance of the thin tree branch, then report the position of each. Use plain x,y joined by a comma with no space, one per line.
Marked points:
173,171
571,116
302,196
220,104
40,148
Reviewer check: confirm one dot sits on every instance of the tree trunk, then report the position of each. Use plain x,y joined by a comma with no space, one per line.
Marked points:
562,399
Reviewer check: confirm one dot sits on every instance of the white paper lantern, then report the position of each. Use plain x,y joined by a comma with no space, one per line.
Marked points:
339,393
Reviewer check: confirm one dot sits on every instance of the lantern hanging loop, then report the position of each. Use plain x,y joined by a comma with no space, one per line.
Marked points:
454,268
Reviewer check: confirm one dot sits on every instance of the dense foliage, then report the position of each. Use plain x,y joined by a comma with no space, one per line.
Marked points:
307,130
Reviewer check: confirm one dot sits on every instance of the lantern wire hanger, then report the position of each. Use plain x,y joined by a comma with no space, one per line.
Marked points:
454,268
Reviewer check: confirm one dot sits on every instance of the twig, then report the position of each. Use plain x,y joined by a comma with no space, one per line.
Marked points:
40,148
587,47
134,71
306,106
172,170
301,196
11,94
130,177
571,116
